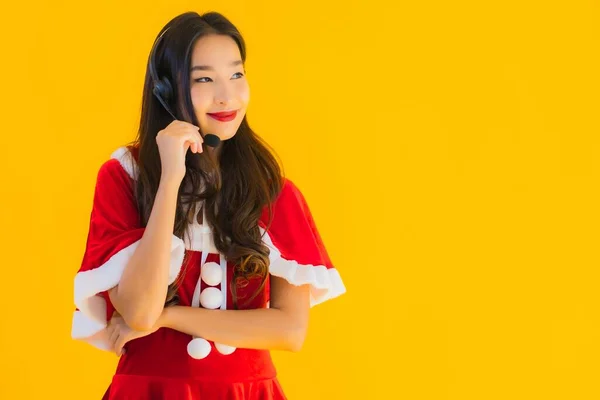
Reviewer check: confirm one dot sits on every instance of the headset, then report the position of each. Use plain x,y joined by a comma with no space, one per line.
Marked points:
163,91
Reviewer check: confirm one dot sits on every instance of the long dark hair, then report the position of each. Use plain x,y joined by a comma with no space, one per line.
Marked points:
235,189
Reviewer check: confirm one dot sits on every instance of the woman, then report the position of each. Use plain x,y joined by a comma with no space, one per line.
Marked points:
201,257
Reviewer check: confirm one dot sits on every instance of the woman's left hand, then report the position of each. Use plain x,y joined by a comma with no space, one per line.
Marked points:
120,333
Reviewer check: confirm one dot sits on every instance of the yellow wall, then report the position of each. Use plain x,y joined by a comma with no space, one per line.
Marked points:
448,149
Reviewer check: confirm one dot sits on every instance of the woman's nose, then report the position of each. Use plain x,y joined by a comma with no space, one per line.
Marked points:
223,95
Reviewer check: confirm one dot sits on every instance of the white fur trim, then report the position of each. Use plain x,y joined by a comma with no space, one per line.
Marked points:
325,283
127,161
83,328
91,317
196,234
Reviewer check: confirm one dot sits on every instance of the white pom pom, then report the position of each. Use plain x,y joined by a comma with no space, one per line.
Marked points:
198,348
211,298
225,349
211,273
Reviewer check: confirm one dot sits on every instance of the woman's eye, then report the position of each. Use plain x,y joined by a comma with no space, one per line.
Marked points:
200,80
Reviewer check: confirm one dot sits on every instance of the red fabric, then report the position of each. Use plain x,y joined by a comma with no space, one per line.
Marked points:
159,388
158,366
293,230
114,221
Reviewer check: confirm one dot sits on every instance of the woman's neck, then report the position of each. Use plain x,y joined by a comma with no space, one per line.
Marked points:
215,152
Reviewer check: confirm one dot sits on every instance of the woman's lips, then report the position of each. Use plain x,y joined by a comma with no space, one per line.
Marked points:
223,116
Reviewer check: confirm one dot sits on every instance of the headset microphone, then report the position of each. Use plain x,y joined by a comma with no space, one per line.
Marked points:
163,91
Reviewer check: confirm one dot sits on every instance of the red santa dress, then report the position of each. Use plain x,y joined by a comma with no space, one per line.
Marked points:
168,364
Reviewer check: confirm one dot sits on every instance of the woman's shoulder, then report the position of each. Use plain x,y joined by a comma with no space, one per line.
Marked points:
288,202
122,162
290,194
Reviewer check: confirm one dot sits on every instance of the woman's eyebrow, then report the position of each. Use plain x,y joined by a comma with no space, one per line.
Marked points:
209,68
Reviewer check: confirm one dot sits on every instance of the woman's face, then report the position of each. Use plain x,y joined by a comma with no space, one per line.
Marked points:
218,84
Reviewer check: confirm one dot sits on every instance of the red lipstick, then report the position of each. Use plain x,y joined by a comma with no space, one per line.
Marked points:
223,116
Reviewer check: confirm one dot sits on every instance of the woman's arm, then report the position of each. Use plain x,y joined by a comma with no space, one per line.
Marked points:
283,326
141,301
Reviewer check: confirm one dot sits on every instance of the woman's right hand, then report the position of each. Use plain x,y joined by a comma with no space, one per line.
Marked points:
119,333
173,143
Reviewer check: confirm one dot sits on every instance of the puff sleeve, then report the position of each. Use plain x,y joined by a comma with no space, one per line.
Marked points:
114,234
297,252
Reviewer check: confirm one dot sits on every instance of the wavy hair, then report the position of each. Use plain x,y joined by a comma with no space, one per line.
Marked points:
235,189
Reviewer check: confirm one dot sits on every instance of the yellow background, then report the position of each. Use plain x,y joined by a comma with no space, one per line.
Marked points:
448,150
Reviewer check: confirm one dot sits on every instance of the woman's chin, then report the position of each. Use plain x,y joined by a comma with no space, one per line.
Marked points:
225,134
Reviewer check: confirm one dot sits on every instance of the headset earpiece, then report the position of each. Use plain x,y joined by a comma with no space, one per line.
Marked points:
161,88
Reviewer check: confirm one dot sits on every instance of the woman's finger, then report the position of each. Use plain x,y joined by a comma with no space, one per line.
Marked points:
199,140
195,143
